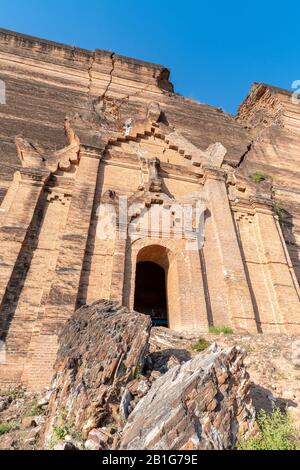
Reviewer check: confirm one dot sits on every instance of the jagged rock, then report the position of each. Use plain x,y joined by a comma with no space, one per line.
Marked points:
32,436
125,409
28,422
99,439
163,360
155,375
44,400
65,446
200,404
91,444
162,339
102,347
39,420
8,442
139,387
4,404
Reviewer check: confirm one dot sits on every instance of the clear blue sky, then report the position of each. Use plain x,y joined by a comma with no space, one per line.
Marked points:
215,49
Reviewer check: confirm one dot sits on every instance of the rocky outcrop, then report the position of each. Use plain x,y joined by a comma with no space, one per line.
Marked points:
21,419
272,362
201,404
101,349
114,392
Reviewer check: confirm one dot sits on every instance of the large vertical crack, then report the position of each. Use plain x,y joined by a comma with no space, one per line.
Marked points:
102,97
242,158
110,75
90,72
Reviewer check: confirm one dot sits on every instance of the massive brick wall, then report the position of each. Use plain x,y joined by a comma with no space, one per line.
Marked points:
273,118
81,128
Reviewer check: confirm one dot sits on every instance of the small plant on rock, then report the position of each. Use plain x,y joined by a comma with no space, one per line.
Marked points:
5,428
33,409
200,345
61,431
275,432
217,330
63,428
279,211
258,176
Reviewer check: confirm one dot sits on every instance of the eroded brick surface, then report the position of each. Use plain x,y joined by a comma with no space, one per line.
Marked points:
83,128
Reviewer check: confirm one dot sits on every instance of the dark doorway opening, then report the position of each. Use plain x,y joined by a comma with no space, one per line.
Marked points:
150,292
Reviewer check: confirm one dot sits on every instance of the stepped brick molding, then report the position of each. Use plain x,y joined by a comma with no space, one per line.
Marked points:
82,132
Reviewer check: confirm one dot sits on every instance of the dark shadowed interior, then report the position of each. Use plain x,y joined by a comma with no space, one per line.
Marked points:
150,292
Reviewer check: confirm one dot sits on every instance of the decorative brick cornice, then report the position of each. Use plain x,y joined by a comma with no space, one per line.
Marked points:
214,173
254,205
34,176
91,152
261,204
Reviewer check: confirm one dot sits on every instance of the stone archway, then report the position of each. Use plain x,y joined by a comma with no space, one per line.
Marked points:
150,295
155,259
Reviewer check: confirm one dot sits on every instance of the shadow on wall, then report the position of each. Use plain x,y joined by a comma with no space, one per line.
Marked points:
160,360
287,226
17,280
263,399
90,244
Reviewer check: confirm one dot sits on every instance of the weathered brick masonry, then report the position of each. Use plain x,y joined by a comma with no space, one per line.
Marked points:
80,128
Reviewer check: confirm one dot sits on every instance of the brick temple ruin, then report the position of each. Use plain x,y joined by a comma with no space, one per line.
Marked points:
81,128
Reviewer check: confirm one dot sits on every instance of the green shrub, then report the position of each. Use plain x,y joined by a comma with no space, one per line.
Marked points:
5,428
258,176
279,211
200,345
275,432
62,428
60,432
217,330
35,411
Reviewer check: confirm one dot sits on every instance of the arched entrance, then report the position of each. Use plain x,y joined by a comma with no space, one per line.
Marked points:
150,292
